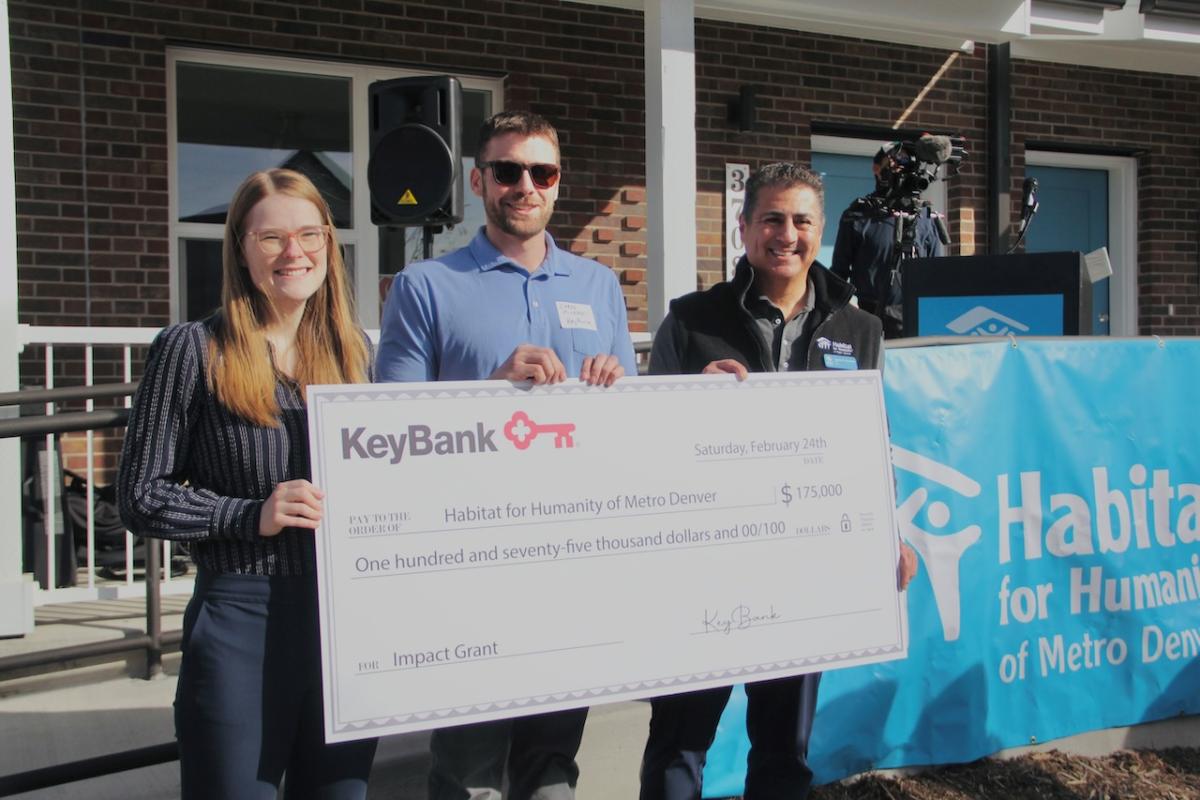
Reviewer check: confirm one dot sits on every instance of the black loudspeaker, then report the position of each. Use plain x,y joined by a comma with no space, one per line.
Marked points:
415,171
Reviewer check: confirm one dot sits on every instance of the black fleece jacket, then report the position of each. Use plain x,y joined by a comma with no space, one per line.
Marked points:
703,327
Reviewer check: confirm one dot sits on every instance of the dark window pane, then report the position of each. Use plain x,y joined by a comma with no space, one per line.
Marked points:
476,107
201,277
233,121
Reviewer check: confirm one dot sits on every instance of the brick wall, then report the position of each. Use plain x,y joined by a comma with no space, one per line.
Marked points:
1158,118
90,125
89,119
802,79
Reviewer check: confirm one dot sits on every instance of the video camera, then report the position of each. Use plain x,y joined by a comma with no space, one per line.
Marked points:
912,165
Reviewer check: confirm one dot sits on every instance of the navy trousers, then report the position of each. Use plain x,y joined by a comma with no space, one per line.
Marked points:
248,705
469,760
779,717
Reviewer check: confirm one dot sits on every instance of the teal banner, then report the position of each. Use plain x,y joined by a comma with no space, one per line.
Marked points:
1052,492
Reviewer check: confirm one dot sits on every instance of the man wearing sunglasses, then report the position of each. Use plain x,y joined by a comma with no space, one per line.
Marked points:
509,306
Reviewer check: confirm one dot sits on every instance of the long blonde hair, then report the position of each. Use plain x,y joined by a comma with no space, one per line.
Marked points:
330,347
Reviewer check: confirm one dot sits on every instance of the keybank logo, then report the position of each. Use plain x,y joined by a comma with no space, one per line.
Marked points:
415,440
983,321
942,548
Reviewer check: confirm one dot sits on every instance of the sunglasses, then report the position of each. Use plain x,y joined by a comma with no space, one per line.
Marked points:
508,173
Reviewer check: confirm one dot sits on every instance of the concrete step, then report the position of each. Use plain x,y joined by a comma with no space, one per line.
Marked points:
59,715
69,624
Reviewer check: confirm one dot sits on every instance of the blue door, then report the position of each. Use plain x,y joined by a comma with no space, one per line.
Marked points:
1073,215
846,179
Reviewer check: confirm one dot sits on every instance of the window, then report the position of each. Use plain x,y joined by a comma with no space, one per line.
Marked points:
233,114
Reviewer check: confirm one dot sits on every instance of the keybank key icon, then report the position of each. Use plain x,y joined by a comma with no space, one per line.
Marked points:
521,431
941,553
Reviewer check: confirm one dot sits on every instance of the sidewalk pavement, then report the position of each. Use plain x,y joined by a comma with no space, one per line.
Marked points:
54,718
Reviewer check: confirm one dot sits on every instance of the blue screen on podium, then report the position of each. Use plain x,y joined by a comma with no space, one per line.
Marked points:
991,315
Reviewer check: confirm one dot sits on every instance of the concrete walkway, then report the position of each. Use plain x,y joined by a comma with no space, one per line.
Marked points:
55,718
66,716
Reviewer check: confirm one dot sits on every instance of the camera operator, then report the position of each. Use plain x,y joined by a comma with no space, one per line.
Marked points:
865,252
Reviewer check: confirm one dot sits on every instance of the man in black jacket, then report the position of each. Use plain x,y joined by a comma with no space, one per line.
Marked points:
781,312
864,252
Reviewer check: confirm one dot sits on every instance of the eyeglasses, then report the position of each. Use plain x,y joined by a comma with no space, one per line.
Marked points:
508,173
273,242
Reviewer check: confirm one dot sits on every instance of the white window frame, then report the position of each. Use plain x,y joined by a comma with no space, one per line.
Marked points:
1122,228
849,146
363,236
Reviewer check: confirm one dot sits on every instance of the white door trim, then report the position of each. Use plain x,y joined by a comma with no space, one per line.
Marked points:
1122,228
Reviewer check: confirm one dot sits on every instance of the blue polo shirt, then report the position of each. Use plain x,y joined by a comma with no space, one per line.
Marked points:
460,316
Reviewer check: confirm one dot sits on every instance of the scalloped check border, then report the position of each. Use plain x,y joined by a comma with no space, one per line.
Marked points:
381,392
665,684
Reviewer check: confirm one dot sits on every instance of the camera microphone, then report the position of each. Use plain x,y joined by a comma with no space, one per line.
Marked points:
936,149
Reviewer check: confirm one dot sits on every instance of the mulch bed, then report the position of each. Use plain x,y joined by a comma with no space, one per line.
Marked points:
1171,774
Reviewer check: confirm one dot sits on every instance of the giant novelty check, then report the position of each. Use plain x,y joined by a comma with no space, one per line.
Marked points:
490,551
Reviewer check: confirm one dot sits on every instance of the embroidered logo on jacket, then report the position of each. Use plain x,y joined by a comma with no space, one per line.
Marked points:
840,348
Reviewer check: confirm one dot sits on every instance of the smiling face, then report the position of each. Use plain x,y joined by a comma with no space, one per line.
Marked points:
520,211
290,278
783,234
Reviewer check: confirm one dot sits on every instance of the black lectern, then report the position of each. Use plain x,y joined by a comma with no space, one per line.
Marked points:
1035,294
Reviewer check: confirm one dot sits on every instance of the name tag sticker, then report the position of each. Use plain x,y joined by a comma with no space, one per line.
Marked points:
576,315
833,361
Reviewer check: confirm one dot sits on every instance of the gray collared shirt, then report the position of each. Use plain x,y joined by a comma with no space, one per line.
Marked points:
787,340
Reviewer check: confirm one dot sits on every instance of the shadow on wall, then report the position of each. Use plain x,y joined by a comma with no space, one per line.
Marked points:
852,733
1173,705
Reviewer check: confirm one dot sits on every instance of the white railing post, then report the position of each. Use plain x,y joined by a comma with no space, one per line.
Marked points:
89,380
16,590
52,475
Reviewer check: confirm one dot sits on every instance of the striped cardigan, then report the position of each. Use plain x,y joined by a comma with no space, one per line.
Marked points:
193,471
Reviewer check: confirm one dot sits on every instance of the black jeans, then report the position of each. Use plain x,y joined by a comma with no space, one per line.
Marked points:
248,704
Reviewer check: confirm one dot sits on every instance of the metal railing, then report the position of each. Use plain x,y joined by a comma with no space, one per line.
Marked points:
99,766
153,641
58,344
56,527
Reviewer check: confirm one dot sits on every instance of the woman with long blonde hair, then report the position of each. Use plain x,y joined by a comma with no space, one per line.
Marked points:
216,455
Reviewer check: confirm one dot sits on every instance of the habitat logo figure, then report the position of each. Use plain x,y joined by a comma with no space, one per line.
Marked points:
983,321
941,553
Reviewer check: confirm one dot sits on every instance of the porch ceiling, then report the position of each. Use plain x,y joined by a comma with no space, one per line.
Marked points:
1069,31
